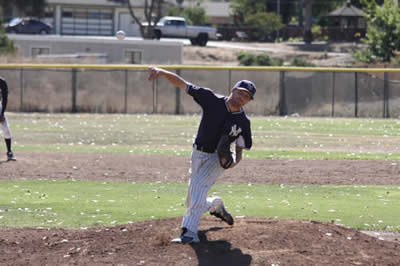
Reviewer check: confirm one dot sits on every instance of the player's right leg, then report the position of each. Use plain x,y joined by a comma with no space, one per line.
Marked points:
7,138
204,172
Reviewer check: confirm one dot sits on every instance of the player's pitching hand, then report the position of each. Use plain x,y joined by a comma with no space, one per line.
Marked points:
154,73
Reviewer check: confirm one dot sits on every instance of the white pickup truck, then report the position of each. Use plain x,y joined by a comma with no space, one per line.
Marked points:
175,27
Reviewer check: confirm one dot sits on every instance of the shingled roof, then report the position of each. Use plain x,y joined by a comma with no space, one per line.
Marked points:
346,11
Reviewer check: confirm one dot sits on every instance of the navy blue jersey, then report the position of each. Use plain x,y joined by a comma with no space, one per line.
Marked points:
4,95
217,120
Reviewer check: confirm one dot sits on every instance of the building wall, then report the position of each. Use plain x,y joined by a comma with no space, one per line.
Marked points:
98,17
102,17
115,51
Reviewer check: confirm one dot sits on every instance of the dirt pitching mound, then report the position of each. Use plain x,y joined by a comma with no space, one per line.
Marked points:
251,241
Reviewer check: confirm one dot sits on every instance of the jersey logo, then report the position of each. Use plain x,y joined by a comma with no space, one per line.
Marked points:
235,131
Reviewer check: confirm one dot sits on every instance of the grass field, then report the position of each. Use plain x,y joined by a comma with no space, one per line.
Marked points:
274,137
82,204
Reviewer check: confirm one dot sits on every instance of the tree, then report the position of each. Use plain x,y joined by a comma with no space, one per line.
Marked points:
152,14
6,45
193,15
264,24
307,29
245,8
359,4
317,9
383,32
34,8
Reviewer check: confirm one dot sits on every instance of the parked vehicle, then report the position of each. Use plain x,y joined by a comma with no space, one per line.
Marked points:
175,27
28,26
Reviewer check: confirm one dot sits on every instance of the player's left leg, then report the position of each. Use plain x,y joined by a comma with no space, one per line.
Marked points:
217,208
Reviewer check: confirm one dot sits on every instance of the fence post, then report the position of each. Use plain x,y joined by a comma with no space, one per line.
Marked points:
126,92
385,95
74,73
21,96
282,94
229,81
355,94
333,93
155,87
177,96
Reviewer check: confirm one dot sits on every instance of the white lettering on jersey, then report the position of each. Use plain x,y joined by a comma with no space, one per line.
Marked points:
235,131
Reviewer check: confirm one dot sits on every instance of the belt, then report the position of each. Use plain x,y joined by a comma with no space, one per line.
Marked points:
203,149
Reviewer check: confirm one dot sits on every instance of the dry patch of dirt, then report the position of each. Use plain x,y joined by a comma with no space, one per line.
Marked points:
251,241
329,55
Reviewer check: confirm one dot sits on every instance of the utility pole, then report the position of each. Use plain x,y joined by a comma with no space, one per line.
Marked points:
300,6
308,25
278,11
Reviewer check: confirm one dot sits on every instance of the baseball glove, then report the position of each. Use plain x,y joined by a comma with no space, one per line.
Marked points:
224,152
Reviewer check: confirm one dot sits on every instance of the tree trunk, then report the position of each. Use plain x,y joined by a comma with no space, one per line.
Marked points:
300,7
308,25
147,31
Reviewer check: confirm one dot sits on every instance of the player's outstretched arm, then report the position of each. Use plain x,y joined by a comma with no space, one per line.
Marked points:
174,79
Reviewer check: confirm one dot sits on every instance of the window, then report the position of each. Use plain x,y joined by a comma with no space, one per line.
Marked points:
39,51
49,12
178,23
133,57
361,23
87,21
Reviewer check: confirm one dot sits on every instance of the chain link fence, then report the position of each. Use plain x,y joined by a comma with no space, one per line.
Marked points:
125,89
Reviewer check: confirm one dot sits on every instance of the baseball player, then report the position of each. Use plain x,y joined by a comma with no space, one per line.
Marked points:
3,119
221,115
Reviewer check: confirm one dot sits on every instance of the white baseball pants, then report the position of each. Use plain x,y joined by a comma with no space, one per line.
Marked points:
204,171
4,126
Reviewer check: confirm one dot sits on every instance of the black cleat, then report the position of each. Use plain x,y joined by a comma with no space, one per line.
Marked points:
11,156
187,237
221,213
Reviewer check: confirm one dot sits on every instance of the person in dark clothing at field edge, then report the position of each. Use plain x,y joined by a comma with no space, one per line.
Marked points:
3,119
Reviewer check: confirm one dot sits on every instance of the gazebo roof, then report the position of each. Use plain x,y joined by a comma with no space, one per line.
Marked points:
346,11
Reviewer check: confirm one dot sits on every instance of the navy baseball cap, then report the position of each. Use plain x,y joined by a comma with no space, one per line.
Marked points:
246,85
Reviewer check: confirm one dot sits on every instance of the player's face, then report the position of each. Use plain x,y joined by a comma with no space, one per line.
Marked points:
242,97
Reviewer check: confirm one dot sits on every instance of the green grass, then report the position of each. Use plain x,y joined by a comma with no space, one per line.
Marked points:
84,204
273,137
75,204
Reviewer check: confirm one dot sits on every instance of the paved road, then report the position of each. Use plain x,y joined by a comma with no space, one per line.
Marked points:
249,46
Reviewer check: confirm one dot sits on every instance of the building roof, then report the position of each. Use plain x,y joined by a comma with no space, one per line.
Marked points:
212,9
346,11
135,3
83,2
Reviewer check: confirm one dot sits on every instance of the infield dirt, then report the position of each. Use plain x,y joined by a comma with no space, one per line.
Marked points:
251,241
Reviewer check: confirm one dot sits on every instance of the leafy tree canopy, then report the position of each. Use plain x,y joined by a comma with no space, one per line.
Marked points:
264,24
383,32
193,15
34,8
